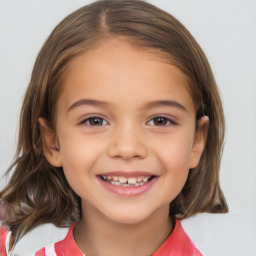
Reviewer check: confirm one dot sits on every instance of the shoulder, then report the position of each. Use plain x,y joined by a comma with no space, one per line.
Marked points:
178,244
34,240
65,247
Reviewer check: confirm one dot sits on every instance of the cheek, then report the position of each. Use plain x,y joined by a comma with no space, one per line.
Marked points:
75,154
174,157
76,166
175,151
79,155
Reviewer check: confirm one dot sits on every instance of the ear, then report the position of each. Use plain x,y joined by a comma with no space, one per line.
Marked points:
50,143
199,141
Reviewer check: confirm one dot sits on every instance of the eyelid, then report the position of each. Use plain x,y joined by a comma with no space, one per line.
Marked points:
87,117
168,118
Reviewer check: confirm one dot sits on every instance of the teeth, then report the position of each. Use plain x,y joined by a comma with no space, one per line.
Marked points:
114,182
115,178
139,179
123,180
145,179
131,181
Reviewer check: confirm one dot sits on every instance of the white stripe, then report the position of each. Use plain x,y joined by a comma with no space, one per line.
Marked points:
7,241
50,250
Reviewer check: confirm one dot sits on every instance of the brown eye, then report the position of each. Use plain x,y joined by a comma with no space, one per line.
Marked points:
95,121
160,121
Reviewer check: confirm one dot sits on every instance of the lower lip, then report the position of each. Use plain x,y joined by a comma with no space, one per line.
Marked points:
128,191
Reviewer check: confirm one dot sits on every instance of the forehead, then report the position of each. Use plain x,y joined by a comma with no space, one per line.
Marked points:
115,67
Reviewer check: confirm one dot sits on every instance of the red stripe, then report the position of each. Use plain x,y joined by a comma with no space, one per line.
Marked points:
41,252
178,244
3,235
68,247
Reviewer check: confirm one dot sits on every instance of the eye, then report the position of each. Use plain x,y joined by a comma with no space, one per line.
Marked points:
160,121
95,121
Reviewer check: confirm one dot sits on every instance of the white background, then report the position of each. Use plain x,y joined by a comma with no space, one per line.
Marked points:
226,30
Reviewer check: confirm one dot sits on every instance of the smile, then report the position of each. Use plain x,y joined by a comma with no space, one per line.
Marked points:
126,181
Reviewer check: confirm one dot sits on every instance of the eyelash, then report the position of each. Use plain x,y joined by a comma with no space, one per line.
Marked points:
102,122
166,121
93,118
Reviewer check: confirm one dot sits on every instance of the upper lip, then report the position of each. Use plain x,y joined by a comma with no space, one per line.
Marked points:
127,174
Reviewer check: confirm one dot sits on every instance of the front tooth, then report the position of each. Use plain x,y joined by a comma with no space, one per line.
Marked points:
145,179
140,179
132,181
122,180
115,178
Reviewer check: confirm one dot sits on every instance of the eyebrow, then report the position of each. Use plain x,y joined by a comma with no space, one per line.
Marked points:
87,102
158,103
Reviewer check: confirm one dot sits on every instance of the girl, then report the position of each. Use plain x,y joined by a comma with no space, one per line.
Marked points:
121,134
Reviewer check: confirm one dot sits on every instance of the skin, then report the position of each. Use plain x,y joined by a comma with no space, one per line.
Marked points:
129,138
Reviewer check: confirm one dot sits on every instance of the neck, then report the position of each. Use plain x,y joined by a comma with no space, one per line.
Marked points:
97,235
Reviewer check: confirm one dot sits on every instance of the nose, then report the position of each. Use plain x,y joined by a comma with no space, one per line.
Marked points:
127,143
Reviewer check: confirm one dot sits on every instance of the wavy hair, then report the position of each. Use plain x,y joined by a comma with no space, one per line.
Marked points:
37,192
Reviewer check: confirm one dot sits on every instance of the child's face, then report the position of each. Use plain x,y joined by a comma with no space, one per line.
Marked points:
124,114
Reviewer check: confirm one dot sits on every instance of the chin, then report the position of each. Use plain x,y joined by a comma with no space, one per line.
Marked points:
128,220
128,217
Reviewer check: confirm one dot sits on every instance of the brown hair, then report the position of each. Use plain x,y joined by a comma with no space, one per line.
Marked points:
38,192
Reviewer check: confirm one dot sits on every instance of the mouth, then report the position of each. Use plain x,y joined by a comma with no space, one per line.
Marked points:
126,181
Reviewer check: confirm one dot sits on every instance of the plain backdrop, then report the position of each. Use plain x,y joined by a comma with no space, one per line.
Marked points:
226,30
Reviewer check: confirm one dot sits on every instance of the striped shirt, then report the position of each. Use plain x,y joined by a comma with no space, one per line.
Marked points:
177,244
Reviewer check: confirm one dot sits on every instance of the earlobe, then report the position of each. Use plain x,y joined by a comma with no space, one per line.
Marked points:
50,143
199,141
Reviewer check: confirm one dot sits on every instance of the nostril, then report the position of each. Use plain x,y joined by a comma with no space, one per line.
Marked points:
127,151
